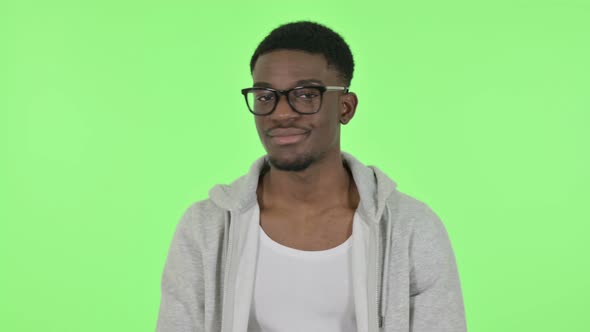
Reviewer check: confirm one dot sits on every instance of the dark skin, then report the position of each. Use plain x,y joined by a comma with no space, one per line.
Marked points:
311,208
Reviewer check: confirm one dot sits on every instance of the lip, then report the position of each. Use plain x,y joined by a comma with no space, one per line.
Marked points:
288,138
286,132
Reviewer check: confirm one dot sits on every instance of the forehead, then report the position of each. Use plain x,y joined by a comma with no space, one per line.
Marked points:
284,68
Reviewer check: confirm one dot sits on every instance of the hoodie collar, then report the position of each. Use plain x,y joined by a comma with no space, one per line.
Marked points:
373,185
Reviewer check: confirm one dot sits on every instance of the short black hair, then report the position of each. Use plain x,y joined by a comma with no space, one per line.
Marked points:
313,38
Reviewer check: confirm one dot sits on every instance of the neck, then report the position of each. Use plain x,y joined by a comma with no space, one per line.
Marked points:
325,183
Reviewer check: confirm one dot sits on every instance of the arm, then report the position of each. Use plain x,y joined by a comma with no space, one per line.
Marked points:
436,301
182,300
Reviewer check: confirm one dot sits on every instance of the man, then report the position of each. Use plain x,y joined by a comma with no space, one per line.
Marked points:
310,239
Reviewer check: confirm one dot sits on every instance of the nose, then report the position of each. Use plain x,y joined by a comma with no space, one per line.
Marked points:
283,111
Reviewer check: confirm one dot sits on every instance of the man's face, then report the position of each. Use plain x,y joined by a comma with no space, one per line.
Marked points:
294,141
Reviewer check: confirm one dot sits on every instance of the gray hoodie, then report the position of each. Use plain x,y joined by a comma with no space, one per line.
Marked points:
404,272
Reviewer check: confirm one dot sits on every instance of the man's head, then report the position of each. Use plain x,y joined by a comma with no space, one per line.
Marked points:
303,54
312,38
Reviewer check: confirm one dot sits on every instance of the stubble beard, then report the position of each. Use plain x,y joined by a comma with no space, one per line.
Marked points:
298,164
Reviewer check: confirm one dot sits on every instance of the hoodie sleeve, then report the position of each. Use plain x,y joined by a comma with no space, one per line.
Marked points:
182,304
436,301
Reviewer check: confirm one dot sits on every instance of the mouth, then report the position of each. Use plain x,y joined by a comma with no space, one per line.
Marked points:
288,137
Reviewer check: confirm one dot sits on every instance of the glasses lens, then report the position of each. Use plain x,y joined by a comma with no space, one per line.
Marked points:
306,100
260,101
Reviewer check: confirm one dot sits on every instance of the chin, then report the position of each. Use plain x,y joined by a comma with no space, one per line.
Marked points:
296,164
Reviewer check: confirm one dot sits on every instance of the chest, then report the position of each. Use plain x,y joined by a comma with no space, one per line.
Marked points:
302,290
306,230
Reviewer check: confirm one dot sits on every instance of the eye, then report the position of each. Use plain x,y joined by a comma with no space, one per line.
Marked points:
264,97
307,93
308,96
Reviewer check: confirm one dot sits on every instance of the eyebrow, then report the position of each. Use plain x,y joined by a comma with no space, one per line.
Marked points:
310,81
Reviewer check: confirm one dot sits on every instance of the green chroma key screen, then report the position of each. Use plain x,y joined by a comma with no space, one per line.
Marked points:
115,116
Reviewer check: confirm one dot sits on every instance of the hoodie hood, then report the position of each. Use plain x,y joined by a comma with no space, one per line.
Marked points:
373,185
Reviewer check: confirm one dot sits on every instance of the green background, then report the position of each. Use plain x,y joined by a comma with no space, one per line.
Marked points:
115,116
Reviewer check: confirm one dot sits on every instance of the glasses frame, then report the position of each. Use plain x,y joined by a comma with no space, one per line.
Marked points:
278,93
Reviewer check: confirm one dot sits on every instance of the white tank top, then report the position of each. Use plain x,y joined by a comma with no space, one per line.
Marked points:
298,290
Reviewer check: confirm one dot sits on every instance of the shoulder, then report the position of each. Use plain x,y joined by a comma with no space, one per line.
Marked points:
198,212
417,222
201,221
411,210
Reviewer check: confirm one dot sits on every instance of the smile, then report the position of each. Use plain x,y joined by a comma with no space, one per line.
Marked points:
288,139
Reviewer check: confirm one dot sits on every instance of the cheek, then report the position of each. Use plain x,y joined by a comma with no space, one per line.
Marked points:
326,131
330,119
259,125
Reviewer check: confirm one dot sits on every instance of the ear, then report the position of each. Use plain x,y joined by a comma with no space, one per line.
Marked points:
348,104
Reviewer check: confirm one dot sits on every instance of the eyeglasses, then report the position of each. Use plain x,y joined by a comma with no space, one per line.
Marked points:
302,99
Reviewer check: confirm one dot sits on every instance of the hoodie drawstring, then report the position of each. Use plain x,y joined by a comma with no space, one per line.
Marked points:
385,274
